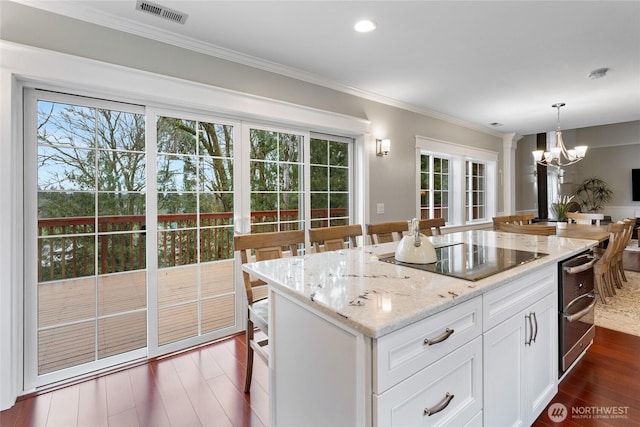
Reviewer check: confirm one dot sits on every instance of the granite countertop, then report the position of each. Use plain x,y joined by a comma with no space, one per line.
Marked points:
375,298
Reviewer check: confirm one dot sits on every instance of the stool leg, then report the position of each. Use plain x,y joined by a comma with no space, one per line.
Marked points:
600,288
249,370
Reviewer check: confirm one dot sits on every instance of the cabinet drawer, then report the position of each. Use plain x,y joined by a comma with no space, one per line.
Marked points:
456,379
505,301
403,353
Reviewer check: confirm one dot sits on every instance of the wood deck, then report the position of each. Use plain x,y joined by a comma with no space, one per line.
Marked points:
85,319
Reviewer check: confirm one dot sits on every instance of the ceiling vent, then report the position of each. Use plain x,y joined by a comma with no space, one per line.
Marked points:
161,11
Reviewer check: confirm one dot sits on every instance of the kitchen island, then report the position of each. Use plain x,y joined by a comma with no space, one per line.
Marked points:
355,341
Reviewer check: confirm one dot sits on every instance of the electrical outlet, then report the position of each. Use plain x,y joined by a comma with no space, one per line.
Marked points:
380,208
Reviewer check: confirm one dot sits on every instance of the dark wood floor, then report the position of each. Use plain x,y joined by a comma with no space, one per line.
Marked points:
203,387
607,378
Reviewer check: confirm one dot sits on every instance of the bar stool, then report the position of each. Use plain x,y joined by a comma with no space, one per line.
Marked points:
431,227
335,238
384,232
265,246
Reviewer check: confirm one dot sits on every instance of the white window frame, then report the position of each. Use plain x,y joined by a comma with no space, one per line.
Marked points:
458,155
432,189
469,191
351,168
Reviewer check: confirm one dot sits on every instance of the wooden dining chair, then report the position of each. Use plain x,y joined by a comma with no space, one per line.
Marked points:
603,269
264,246
585,218
335,238
384,232
505,219
431,227
618,264
539,230
523,219
518,219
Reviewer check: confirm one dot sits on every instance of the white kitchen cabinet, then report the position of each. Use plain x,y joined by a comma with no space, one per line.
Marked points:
520,365
447,392
401,354
343,369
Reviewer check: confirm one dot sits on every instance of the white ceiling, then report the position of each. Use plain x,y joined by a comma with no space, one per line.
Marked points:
476,61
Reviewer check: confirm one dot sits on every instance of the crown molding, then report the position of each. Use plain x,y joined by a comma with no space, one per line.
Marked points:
78,11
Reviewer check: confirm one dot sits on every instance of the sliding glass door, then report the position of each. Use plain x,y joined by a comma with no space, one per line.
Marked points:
130,217
129,234
195,220
87,280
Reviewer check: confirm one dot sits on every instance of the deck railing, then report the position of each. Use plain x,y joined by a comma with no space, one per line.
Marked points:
67,246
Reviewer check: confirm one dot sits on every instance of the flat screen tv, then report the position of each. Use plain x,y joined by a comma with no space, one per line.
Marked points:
635,184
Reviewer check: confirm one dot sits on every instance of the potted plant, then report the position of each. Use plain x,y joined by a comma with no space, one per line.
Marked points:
560,208
593,193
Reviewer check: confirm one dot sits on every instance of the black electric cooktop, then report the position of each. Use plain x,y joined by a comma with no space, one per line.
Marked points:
471,262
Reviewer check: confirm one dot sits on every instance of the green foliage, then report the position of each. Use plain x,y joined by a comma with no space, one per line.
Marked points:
92,165
593,193
561,206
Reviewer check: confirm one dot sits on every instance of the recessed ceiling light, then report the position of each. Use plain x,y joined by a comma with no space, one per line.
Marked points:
364,26
599,73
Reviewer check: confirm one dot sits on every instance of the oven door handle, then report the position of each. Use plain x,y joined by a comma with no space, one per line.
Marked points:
575,316
582,267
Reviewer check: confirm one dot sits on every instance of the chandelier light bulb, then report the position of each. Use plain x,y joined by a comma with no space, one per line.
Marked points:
559,156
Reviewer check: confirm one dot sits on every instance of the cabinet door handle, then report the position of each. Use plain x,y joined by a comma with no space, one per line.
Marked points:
528,342
440,406
443,336
535,321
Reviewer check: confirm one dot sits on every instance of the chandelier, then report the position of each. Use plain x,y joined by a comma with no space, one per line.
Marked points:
559,156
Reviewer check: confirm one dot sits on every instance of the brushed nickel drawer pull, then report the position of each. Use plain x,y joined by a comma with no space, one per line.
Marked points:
528,317
443,336
535,320
440,406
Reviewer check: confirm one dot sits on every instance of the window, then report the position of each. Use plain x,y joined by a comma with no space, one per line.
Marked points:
455,182
330,181
475,194
434,187
276,180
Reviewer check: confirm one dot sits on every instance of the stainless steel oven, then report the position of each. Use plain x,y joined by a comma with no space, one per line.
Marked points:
577,301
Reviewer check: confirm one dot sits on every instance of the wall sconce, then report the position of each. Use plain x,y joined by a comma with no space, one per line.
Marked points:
383,147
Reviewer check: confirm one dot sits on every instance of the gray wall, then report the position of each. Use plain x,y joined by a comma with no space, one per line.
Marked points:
613,151
391,178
